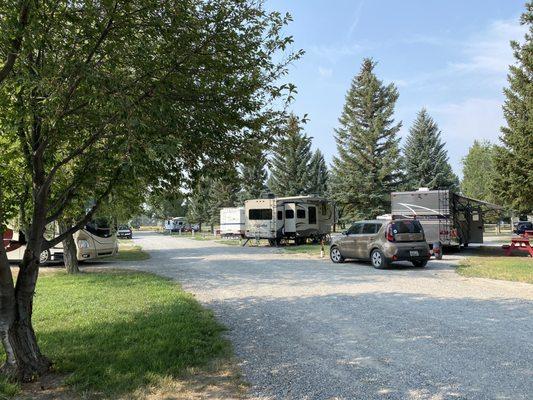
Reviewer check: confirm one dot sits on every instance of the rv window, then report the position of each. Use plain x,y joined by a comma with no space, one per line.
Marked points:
300,214
289,214
280,215
100,231
312,215
260,213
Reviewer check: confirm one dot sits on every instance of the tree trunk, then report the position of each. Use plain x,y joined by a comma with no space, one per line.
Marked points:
70,256
24,360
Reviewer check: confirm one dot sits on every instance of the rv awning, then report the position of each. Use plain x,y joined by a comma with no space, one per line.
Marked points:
488,206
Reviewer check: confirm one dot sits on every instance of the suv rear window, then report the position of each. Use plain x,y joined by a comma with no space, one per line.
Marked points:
406,227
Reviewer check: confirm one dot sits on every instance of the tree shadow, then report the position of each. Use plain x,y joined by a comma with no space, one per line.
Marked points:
111,350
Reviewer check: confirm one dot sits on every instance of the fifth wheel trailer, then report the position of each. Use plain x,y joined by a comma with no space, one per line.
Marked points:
448,218
232,221
299,218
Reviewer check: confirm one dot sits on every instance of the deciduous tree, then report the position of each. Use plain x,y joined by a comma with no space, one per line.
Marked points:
100,92
479,172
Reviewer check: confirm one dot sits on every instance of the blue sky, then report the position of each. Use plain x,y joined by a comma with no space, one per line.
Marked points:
450,57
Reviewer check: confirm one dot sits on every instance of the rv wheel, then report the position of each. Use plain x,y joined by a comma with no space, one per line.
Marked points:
44,257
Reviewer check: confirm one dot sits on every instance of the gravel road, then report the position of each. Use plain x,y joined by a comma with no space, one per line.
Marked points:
304,328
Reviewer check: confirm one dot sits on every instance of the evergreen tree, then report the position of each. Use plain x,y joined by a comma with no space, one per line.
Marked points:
223,193
425,158
290,161
198,211
514,161
253,178
479,172
367,167
318,174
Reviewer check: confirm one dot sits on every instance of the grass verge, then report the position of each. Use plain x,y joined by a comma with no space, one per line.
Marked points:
127,251
518,269
309,249
118,334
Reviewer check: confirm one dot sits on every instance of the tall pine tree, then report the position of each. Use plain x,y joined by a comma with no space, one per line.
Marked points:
514,161
425,158
223,193
367,167
290,161
253,178
318,174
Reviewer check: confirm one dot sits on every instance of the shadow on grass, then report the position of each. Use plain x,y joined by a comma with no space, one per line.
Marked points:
119,332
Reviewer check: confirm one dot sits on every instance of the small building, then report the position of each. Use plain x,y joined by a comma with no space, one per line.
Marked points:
297,218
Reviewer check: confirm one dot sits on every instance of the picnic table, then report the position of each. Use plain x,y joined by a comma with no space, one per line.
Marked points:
8,242
521,243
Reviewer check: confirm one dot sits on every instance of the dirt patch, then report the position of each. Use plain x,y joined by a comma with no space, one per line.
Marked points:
220,381
48,387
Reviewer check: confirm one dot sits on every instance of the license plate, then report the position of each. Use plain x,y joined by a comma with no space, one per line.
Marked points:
413,253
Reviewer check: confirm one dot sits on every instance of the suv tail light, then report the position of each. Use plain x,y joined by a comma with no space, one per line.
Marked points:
388,234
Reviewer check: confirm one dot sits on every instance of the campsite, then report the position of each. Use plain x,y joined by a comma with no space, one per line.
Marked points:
266,200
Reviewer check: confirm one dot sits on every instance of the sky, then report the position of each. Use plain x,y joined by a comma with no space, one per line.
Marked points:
449,56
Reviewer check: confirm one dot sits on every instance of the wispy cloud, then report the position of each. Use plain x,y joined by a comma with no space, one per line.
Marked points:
486,54
325,72
335,53
463,122
356,18
489,51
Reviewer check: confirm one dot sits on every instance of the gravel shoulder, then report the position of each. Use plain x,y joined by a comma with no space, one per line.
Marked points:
304,328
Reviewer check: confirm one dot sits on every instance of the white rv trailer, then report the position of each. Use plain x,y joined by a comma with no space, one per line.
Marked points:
92,242
299,218
175,224
448,218
232,221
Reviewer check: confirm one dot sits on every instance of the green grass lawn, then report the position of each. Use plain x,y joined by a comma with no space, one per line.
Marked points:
117,332
130,252
519,269
311,249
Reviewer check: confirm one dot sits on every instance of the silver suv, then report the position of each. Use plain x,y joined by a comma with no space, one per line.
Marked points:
382,242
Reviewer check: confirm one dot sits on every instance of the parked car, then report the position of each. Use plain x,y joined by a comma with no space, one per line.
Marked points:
382,242
124,231
522,226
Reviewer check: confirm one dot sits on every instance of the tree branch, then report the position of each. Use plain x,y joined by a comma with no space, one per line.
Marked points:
88,216
16,43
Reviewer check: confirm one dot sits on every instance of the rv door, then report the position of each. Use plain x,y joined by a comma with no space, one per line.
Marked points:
290,218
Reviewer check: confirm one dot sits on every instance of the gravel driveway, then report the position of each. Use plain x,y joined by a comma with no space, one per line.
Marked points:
305,328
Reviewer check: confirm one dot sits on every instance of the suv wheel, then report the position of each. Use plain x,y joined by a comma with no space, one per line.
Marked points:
378,260
335,255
